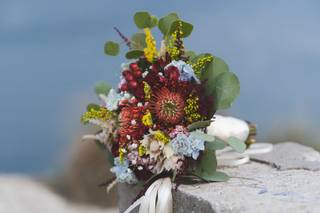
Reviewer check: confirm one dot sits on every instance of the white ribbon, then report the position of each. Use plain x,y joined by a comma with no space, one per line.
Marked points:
157,199
229,157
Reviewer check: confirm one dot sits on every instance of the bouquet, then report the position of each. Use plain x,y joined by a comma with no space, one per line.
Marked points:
154,124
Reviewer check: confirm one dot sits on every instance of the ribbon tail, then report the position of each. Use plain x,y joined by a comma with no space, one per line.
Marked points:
157,199
149,202
134,205
165,201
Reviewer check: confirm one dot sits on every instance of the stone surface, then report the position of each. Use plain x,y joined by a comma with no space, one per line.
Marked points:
291,156
20,194
286,180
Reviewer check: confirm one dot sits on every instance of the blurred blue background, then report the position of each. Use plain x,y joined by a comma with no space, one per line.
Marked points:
51,55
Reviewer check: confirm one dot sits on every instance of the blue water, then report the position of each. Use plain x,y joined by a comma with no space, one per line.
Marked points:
51,53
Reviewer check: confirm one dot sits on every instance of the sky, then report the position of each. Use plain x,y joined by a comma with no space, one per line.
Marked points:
51,55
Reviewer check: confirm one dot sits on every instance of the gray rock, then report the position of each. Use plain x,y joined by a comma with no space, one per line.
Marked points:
19,194
291,156
286,180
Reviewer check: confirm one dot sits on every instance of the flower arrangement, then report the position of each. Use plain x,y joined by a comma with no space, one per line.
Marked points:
154,123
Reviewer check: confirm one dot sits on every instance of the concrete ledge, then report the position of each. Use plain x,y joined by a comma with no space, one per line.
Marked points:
286,180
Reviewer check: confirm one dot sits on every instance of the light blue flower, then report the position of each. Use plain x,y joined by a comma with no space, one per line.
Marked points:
186,71
122,171
112,100
187,145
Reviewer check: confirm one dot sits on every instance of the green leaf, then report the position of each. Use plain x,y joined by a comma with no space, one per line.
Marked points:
236,144
102,88
198,125
164,23
138,41
210,73
145,20
186,28
217,144
93,106
227,89
207,165
153,21
200,135
190,54
111,48
133,54
215,177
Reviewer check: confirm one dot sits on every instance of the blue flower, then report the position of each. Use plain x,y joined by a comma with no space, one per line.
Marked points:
187,145
122,171
186,71
113,98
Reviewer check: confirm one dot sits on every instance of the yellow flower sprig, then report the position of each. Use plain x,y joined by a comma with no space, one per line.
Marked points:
150,52
160,136
175,44
141,150
191,109
147,119
147,90
101,114
200,64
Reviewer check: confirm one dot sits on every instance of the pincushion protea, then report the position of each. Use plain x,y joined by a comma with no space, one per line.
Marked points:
168,106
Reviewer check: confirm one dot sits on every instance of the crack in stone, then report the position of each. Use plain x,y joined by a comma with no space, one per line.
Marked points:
279,167
272,165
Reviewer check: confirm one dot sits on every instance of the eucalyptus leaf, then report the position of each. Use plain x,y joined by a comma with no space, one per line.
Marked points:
145,20
186,28
237,144
207,165
111,48
138,41
198,125
153,21
215,177
217,144
165,23
190,54
200,135
133,54
210,73
93,106
102,88
227,89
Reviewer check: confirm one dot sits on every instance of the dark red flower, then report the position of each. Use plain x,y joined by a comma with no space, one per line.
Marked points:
167,106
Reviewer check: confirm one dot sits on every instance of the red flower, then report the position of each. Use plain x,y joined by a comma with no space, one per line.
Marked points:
167,106
131,127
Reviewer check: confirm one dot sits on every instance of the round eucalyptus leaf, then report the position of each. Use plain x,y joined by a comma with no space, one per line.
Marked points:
111,48
186,28
133,54
93,106
102,88
138,41
227,88
145,20
207,165
165,23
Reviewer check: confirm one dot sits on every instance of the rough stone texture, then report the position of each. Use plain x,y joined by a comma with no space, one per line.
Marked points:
290,155
286,180
20,194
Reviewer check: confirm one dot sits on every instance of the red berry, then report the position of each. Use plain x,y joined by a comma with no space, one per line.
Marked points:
133,66
124,87
128,75
137,73
133,84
